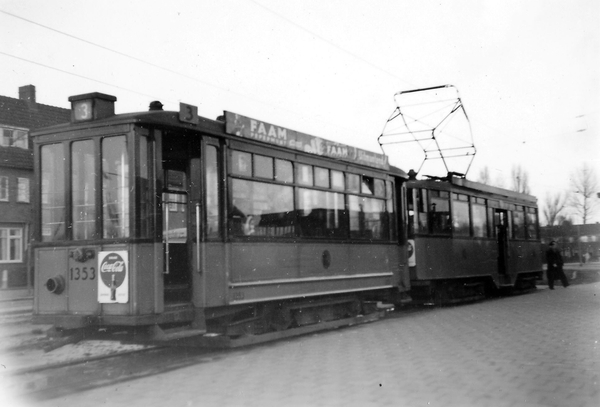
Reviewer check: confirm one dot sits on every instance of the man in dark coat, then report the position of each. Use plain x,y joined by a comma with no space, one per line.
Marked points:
555,266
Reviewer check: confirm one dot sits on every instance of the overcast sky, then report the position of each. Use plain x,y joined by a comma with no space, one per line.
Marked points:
527,71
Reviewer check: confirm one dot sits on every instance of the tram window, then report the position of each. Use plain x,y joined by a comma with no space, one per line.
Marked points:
390,209
352,183
337,180
212,192
263,167
479,220
304,174
321,177
241,163
519,223
261,209
531,223
53,192
460,215
115,187
422,212
284,171
379,186
368,218
321,214
146,180
367,185
439,212
83,191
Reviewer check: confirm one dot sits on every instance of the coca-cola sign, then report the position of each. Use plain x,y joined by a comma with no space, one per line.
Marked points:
112,284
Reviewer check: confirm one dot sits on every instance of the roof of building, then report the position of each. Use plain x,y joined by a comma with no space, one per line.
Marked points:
15,157
30,115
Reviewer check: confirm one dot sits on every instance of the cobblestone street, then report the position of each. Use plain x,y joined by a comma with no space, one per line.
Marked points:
539,349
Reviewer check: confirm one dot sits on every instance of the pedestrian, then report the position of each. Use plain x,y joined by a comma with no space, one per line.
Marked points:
555,266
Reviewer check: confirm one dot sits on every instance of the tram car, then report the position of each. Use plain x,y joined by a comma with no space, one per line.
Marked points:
231,226
468,240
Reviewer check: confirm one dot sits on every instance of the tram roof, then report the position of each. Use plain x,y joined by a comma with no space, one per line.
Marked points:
171,119
463,184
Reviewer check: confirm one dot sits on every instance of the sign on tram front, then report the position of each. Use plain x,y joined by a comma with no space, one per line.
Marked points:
246,127
113,284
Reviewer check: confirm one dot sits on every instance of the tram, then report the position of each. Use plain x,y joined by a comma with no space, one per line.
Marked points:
467,240
230,226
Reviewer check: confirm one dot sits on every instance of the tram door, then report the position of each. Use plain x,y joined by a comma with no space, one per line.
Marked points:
177,280
501,224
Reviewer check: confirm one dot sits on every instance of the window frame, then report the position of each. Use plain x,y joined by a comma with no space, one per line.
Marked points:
305,177
5,244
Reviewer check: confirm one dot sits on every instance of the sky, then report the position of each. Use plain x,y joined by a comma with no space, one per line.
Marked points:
526,71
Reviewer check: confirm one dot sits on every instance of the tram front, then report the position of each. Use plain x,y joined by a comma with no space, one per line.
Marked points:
98,243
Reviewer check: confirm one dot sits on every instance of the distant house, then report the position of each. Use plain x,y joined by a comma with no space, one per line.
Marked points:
574,240
17,118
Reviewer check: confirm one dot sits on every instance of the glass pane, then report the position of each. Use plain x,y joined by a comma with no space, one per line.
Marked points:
518,225
241,163
460,219
379,187
212,192
83,175
479,221
284,171
439,215
304,174
146,180
263,167
115,187
53,192
352,183
321,177
15,246
321,214
261,209
337,180
3,244
368,218
531,225
367,185
175,217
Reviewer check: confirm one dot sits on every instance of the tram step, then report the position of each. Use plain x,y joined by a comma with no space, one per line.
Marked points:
477,284
173,334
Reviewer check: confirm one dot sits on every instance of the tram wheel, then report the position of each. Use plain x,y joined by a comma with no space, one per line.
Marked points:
278,318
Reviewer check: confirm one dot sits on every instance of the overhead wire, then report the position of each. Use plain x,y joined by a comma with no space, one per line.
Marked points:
74,74
279,107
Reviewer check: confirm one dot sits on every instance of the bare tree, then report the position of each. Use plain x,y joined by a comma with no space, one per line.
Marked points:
484,176
520,179
553,206
585,185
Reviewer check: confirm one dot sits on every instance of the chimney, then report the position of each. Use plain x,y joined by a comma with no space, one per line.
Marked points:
27,93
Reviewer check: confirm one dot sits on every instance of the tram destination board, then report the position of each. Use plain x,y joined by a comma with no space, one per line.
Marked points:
246,127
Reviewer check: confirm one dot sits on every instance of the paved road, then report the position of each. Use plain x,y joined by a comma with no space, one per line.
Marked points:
539,349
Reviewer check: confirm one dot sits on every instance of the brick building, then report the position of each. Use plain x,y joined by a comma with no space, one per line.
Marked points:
17,118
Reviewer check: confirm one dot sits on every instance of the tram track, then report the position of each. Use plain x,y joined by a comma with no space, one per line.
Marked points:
52,381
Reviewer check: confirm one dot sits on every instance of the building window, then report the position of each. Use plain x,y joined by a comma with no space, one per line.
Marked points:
23,190
4,189
11,245
14,138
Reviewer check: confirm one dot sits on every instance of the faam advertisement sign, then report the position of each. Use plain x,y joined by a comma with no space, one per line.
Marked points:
113,284
246,127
